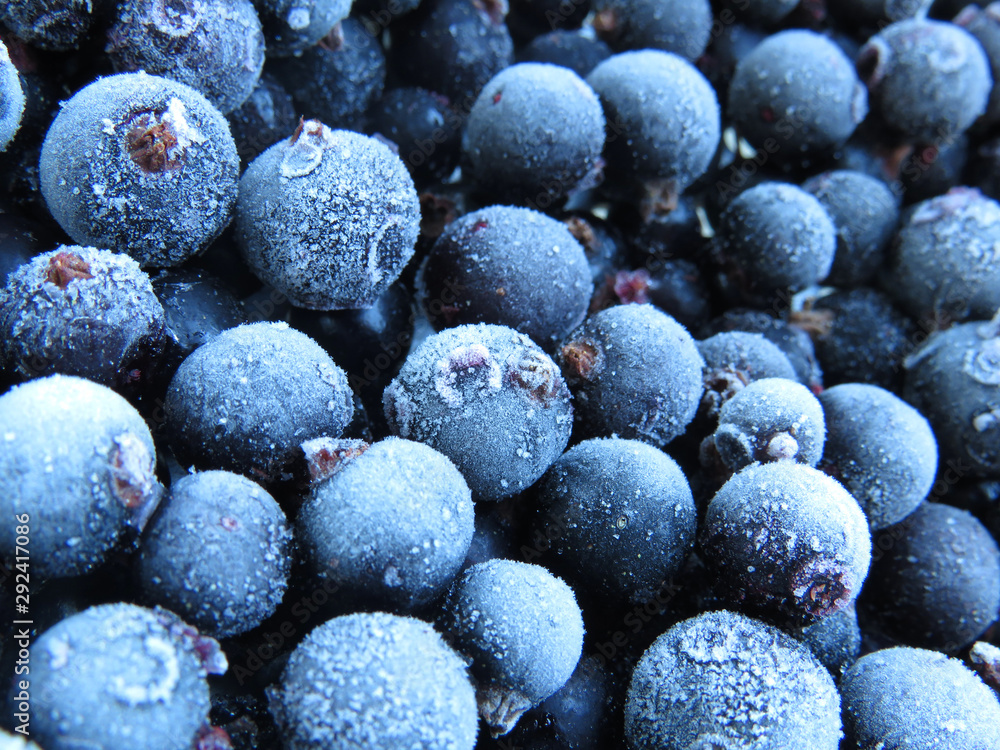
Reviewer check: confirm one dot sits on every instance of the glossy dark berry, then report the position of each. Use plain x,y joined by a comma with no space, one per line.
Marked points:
709,681
153,692
215,47
927,80
197,307
49,24
11,99
453,47
637,88
266,117
938,583
621,518
81,311
377,681
787,542
944,264
523,631
250,396
390,527
489,399
771,419
241,582
78,459
534,135
336,80
293,26
916,699
423,126
864,213
733,359
880,448
771,239
570,49
954,380
679,26
510,266
635,372
796,93
142,165
861,337
327,217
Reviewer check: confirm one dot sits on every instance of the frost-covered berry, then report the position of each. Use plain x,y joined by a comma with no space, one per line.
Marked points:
635,372
489,399
927,80
240,582
786,541
880,448
77,459
734,359
49,24
81,311
772,419
944,264
772,239
327,217
391,527
620,517
721,680
683,27
534,134
912,699
509,266
246,399
376,681
834,640
214,46
11,99
954,381
144,672
796,92
292,26
141,165
649,86
523,630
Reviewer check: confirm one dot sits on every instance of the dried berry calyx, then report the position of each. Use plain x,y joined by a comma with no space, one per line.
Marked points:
157,141
66,267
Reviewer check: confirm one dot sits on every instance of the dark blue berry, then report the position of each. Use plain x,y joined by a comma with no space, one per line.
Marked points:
142,165
241,582
679,26
250,396
734,359
938,584
78,460
11,99
49,24
864,213
523,631
796,93
928,81
880,448
293,26
570,49
916,699
391,527
214,46
635,373
489,267
327,217
621,518
376,681
835,640
81,311
266,117
144,672
787,542
336,80
489,399
721,680
534,135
